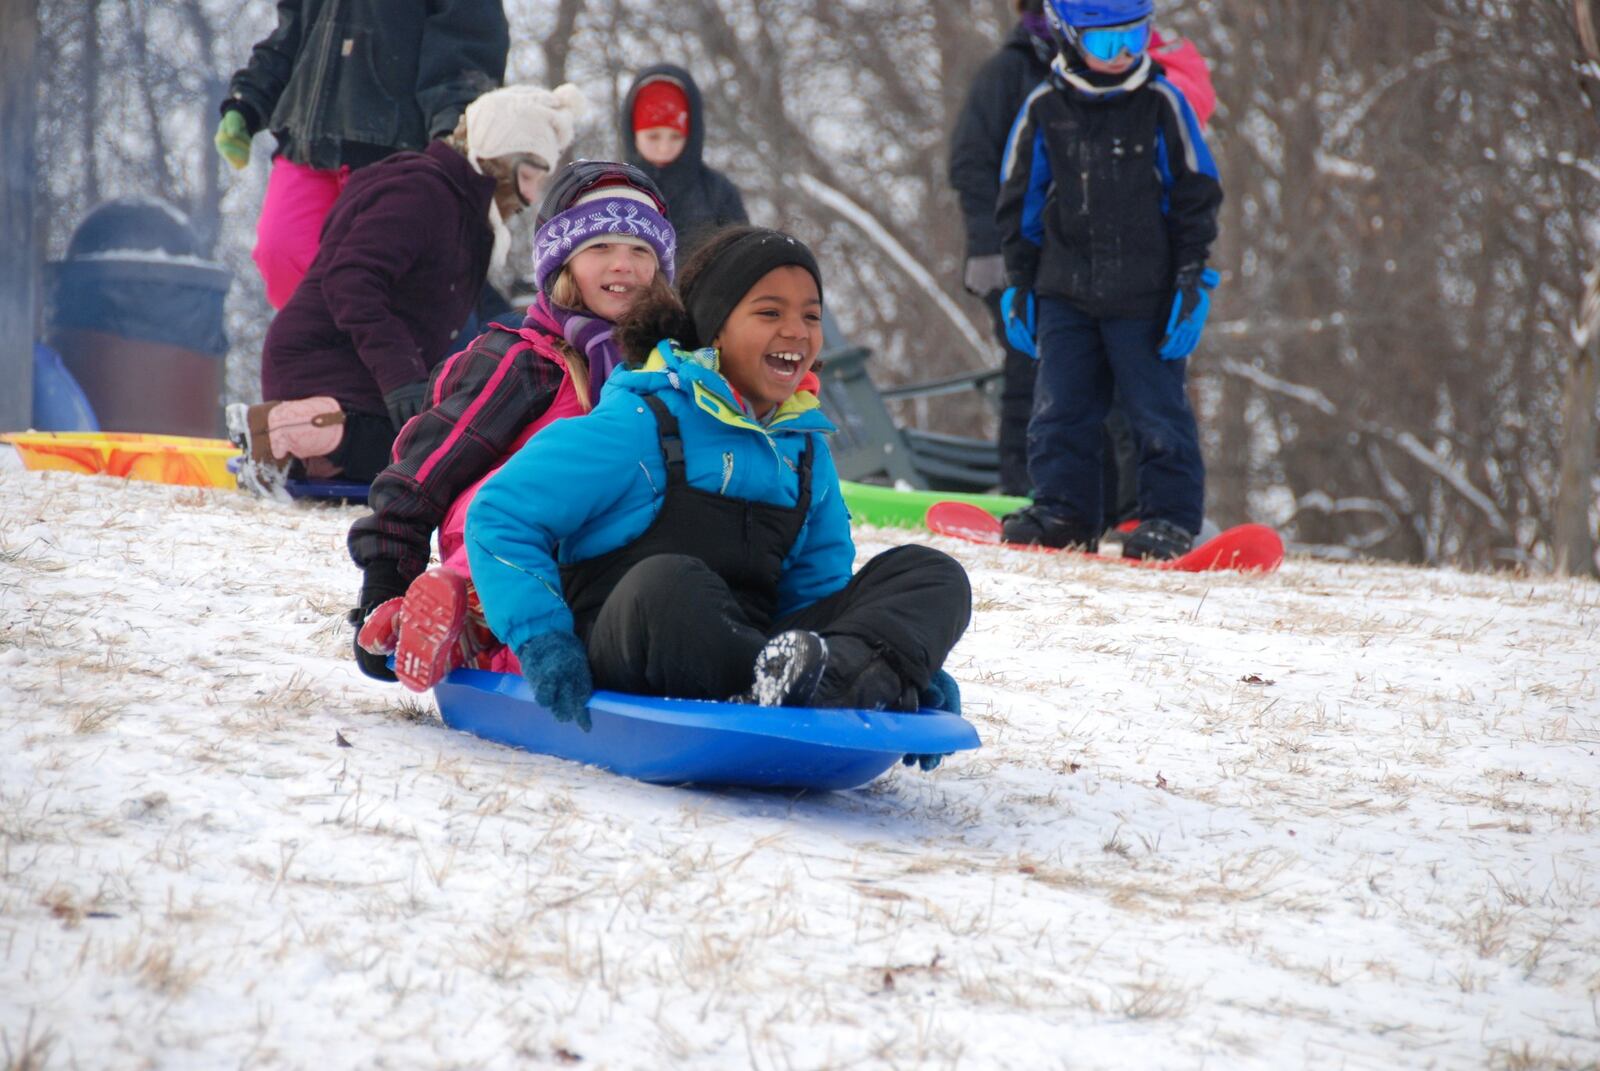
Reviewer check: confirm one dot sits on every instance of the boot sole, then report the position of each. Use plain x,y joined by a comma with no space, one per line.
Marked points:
795,682
435,611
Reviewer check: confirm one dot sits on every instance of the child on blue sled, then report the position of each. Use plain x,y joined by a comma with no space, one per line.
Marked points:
688,538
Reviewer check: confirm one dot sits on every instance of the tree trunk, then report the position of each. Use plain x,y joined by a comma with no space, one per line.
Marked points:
19,29
1571,538
206,210
558,45
91,102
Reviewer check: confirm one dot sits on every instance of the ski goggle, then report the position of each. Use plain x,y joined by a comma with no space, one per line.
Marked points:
1106,43
581,176
534,165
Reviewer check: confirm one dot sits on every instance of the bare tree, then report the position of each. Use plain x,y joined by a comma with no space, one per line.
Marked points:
1402,363
19,26
1404,219
557,44
1573,526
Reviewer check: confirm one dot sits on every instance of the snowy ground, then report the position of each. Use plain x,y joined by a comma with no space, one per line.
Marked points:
1342,816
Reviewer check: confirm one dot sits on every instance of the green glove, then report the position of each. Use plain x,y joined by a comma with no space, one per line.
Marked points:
233,139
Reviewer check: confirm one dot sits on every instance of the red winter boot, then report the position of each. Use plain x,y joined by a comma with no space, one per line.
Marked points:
441,629
380,632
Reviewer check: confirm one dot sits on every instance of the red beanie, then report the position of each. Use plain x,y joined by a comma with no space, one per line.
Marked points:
661,103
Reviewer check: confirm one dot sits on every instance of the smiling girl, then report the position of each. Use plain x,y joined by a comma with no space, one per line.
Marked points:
603,244
688,538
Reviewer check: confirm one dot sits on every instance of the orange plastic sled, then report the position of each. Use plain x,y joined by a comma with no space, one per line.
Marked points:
174,459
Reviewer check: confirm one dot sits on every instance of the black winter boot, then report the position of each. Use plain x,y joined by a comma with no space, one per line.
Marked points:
1033,526
1158,539
860,677
788,669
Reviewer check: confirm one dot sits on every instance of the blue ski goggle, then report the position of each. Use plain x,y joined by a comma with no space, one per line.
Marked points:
1106,43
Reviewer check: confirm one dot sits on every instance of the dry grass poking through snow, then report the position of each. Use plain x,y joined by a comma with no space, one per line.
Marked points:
1343,816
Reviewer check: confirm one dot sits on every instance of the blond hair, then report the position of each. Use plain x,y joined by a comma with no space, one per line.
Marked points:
578,369
564,289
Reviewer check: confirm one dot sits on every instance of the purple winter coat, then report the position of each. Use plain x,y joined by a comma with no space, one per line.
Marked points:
404,254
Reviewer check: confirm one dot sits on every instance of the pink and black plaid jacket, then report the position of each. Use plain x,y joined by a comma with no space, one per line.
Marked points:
485,400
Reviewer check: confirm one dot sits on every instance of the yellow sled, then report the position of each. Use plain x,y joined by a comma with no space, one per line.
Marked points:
174,459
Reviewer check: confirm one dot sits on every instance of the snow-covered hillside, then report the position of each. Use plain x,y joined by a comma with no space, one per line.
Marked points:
1341,816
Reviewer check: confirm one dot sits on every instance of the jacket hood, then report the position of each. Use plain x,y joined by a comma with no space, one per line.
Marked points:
694,373
690,159
474,188
1040,49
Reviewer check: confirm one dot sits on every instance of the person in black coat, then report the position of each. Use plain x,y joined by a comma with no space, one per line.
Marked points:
343,84
663,133
976,147
993,100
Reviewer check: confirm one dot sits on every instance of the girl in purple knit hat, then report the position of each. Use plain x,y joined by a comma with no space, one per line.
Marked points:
603,243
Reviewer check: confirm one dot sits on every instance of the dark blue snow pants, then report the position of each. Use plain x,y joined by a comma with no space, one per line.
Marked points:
1082,362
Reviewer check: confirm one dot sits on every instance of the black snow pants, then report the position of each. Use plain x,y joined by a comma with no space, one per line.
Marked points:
1121,479
672,626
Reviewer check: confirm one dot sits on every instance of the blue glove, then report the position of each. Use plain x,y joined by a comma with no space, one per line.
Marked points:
942,693
1191,303
1020,325
557,669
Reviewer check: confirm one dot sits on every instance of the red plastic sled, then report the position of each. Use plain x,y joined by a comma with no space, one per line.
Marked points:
1245,548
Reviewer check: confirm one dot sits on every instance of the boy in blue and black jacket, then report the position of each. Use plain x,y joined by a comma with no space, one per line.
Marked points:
1107,211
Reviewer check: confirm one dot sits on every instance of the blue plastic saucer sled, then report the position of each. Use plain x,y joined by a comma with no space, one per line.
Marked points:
691,741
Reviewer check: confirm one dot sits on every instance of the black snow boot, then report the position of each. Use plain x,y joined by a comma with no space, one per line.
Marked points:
1158,539
788,669
1033,526
861,676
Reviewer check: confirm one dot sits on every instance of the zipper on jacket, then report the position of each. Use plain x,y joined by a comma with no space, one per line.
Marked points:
727,472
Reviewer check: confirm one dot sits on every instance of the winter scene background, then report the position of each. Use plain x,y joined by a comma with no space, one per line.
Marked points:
1400,364
1344,815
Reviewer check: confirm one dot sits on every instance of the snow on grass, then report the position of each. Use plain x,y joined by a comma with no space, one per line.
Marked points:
1341,816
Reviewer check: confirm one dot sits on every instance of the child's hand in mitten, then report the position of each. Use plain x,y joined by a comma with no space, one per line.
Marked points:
557,669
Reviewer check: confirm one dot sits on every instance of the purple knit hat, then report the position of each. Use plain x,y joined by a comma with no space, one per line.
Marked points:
616,212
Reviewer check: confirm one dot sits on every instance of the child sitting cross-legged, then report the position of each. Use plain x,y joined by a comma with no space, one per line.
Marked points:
688,537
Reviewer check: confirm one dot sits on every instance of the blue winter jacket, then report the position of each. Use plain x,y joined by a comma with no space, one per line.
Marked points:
586,486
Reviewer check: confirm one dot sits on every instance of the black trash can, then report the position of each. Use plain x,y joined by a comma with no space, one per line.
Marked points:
137,316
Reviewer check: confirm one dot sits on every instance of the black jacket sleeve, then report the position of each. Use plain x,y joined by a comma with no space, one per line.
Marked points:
727,206
481,411
256,87
1194,188
978,143
463,56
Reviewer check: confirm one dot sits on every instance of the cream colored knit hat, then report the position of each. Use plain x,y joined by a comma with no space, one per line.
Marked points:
524,119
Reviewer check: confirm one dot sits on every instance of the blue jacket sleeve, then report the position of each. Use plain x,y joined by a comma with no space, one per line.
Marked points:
1024,185
821,560
568,475
1189,176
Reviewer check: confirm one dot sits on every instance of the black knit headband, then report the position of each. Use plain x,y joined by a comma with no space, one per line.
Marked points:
726,280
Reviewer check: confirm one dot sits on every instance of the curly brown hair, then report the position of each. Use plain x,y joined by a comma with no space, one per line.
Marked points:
657,317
